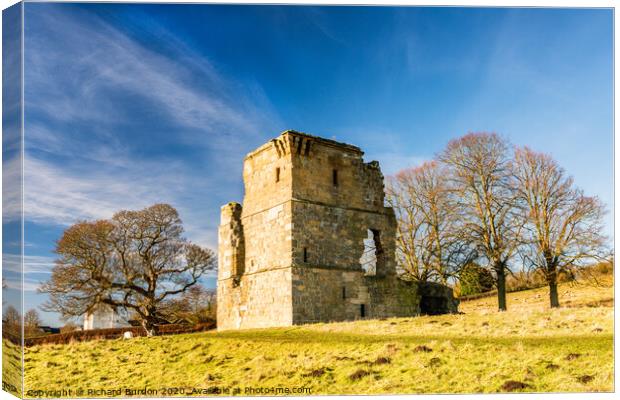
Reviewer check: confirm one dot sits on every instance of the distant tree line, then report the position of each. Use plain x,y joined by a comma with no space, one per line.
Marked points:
12,323
483,203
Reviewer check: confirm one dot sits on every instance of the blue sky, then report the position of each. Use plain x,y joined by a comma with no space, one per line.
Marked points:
128,105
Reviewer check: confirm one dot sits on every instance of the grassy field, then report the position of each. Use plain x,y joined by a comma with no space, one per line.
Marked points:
11,367
539,350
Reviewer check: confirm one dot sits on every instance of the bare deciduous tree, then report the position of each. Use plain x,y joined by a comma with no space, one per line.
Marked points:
482,189
32,321
564,226
427,247
12,321
135,261
196,305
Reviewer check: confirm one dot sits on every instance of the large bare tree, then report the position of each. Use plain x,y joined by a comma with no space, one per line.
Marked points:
482,190
564,226
428,248
135,261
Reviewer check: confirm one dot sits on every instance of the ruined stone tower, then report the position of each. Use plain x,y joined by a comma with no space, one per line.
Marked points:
312,242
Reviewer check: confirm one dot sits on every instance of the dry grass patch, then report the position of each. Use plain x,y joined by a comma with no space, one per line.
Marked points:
480,351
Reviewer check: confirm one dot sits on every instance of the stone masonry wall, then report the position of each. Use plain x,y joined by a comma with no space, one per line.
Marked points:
259,296
356,185
292,253
231,240
337,198
334,236
323,295
260,300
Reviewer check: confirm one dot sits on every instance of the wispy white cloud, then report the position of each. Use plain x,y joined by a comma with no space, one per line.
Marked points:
58,196
100,58
54,195
106,148
319,18
32,264
12,189
35,268
79,166
29,285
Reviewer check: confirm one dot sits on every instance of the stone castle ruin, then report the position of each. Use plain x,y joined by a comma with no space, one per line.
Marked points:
313,241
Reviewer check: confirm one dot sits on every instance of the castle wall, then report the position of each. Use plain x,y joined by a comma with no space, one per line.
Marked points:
268,238
330,284
259,300
294,253
267,178
231,242
337,199
260,295
334,236
324,294
357,185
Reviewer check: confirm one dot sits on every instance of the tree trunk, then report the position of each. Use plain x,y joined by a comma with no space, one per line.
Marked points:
149,327
553,294
501,288
552,279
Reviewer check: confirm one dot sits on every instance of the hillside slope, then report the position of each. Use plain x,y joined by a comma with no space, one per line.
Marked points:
564,350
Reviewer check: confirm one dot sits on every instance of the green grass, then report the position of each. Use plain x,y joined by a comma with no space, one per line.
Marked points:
563,350
11,367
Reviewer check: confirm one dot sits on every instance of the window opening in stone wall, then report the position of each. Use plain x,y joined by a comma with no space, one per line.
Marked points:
335,177
368,260
344,293
305,254
380,264
278,174
362,310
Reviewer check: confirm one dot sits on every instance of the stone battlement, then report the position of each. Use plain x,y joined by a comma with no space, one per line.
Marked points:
291,142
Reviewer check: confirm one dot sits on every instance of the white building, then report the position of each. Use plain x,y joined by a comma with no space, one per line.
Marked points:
103,317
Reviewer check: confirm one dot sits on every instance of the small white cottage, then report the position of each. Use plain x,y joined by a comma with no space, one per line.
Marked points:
104,317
